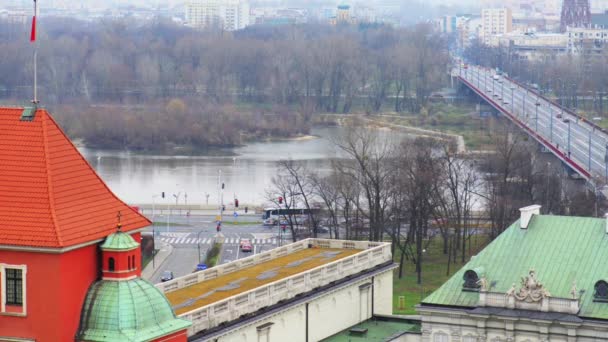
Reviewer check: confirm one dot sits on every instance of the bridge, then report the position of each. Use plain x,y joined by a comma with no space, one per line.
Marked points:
577,142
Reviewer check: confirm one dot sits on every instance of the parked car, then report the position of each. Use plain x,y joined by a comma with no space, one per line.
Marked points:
167,275
322,230
246,246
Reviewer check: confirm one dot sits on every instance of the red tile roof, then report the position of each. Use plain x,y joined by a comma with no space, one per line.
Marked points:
49,195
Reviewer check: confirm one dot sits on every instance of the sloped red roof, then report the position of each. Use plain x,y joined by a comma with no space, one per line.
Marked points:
49,195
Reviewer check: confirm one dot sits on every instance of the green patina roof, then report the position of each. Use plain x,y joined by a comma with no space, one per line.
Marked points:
131,310
560,249
378,329
119,241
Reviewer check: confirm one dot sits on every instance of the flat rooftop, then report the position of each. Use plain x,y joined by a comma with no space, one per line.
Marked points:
231,284
379,328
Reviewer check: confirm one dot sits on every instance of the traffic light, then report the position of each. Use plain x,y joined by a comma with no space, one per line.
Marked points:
223,186
163,194
284,227
219,227
246,209
236,203
280,200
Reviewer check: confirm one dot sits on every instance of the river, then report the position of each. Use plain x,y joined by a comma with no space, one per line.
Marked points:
247,171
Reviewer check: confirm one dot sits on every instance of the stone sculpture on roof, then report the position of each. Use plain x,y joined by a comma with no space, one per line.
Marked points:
483,283
531,289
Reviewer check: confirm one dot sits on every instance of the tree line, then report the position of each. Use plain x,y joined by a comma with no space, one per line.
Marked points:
303,68
413,191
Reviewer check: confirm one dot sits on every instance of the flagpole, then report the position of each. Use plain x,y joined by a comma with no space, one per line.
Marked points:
33,38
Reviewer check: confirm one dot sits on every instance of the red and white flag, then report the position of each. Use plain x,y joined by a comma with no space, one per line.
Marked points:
33,35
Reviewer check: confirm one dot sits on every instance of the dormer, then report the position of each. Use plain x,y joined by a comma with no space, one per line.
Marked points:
120,255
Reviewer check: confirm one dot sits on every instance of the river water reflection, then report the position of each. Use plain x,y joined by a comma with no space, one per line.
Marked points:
246,171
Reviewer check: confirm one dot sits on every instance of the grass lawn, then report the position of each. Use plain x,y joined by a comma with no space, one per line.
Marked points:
240,223
454,119
434,269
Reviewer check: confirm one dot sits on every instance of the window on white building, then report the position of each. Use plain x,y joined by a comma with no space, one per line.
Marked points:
264,332
469,339
440,337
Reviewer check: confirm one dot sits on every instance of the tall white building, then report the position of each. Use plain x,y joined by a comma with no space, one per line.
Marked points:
495,21
230,15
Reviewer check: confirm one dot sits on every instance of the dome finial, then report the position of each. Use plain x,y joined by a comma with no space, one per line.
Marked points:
118,225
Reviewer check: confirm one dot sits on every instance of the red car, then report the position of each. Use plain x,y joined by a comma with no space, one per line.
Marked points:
246,246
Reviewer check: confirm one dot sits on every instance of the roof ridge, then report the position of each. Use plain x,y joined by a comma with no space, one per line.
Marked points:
49,177
95,174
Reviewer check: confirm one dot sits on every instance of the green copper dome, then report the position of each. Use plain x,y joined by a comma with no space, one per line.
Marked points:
131,310
119,241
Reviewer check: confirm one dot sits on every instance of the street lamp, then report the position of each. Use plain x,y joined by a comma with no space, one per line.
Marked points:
536,124
551,122
524,102
421,282
606,162
568,122
590,131
153,207
512,102
176,196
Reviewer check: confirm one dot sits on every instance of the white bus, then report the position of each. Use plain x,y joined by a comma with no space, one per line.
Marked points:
273,216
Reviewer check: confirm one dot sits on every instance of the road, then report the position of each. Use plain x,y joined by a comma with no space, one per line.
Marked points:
571,137
190,234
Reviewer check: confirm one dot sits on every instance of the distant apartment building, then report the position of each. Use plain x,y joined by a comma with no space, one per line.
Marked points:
14,17
587,41
532,46
230,15
344,15
495,21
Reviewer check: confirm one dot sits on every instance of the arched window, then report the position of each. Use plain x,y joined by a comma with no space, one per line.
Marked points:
601,292
471,281
129,261
440,337
133,261
111,265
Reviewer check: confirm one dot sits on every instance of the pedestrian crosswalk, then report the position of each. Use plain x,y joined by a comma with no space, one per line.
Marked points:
203,241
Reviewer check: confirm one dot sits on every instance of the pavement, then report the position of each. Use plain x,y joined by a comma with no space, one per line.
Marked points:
155,268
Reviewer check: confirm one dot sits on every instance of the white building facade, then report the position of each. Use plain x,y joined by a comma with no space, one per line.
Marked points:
495,21
229,15
587,41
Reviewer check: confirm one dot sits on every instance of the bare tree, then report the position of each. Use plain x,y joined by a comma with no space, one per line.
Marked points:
368,167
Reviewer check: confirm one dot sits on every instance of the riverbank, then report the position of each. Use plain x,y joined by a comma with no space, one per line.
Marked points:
459,123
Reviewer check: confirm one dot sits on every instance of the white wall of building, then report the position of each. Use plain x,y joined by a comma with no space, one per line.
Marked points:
327,315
